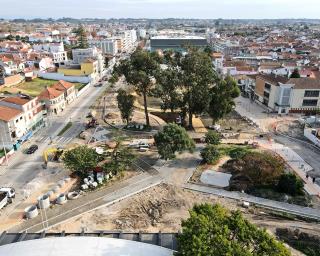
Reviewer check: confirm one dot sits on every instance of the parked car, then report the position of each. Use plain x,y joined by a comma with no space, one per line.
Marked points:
32,149
6,195
10,191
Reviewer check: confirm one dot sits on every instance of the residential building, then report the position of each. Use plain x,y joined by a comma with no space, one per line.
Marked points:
107,46
56,97
86,68
20,116
53,100
55,50
284,95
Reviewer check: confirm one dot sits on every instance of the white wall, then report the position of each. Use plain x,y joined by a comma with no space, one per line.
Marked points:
59,76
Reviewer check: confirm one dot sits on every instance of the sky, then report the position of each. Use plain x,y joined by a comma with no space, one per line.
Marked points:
206,9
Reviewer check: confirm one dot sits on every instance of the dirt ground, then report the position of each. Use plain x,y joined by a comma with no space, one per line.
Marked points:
162,208
291,128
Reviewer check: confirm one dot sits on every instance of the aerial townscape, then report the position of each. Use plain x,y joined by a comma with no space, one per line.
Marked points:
124,131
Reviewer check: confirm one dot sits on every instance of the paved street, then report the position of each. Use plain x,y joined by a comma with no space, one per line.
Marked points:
23,168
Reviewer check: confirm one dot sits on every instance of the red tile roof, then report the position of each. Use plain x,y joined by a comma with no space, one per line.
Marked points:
16,100
62,85
7,113
50,93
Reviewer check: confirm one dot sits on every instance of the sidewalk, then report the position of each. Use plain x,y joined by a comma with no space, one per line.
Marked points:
265,203
300,167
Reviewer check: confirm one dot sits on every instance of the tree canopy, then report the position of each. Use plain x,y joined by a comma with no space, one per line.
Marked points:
81,37
125,104
210,154
212,137
198,77
213,231
295,74
81,159
222,98
173,138
290,184
140,71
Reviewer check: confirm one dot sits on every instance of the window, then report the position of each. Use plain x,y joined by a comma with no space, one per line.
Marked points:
267,86
310,103
266,94
311,93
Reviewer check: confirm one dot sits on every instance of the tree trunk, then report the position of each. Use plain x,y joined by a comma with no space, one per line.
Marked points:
190,120
146,108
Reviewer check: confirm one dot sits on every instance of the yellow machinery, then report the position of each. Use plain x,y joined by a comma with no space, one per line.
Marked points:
52,153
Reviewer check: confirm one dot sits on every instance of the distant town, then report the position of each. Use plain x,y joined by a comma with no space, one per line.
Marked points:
161,131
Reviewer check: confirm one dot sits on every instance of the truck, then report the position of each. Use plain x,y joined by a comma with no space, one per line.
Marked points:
6,196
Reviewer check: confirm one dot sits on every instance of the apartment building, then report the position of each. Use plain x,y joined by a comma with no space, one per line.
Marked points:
20,117
284,95
107,46
55,50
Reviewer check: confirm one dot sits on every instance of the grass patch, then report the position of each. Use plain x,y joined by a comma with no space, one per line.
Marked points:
33,88
67,127
226,150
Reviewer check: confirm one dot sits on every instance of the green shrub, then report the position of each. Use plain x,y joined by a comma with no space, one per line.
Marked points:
290,184
213,138
238,153
210,154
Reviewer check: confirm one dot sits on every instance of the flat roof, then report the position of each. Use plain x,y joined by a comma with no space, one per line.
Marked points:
177,37
74,246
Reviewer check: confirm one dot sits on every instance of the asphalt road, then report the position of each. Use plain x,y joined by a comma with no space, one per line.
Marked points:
23,168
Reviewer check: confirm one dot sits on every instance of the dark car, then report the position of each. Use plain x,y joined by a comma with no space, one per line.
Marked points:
32,149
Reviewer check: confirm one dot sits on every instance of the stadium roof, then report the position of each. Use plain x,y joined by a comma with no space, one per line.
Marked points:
82,245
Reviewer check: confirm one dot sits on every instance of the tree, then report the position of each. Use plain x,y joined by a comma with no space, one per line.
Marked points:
168,85
82,37
210,154
139,71
120,158
198,77
81,159
212,137
222,98
290,184
125,104
173,138
213,231
295,73
208,50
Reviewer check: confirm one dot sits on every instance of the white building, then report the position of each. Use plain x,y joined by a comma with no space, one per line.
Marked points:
81,55
107,46
56,50
19,116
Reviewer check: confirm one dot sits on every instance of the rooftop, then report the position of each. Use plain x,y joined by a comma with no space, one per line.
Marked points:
100,243
7,114
177,37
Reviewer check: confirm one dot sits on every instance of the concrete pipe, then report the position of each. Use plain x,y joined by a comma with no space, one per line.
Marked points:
61,199
31,212
44,202
61,183
73,195
56,189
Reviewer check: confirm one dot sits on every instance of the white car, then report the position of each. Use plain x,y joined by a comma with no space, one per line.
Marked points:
10,191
